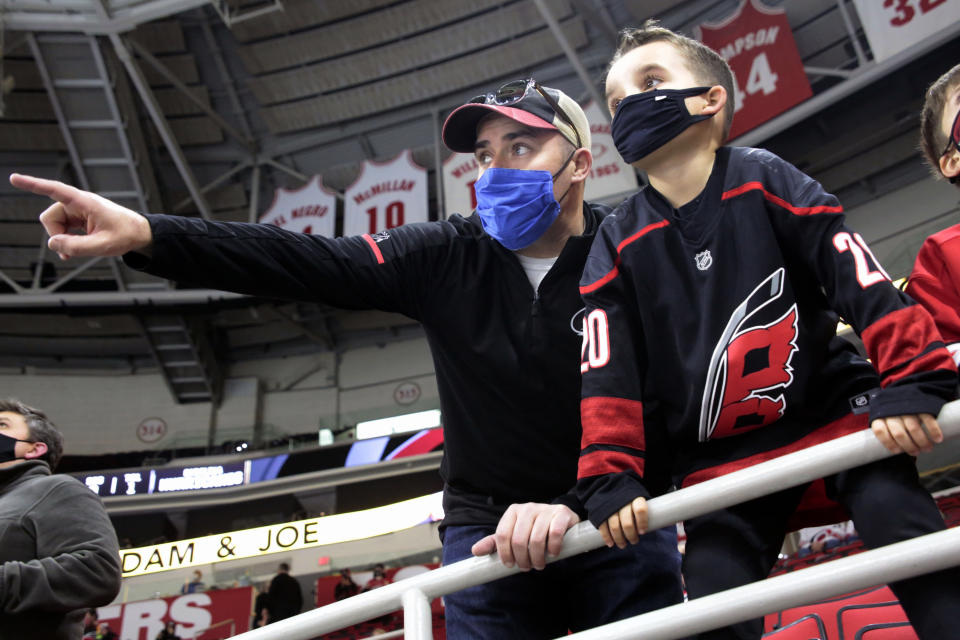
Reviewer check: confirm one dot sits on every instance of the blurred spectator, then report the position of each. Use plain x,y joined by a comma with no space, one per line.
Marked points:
261,606
346,587
195,584
90,622
284,595
59,554
104,632
819,539
379,579
168,631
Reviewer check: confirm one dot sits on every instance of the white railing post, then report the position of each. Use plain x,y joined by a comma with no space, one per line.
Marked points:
768,477
417,618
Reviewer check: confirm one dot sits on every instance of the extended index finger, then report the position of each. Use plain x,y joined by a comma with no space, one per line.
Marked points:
42,187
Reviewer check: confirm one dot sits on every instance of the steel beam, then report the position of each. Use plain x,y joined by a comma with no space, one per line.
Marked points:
156,115
162,69
571,55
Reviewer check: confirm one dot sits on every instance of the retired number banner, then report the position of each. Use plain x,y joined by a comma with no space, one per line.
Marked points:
459,175
758,44
894,25
385,195
309,209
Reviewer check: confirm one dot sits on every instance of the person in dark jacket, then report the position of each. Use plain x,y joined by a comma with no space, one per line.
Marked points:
346,588
58,550
284,598
497,294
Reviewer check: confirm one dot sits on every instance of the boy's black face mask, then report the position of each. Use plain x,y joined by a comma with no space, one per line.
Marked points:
646,121
8,447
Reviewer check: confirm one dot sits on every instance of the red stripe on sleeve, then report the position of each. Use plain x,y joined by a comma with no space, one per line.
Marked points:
374,248
602,281
777,200
610,275
612,421
897,340
601,463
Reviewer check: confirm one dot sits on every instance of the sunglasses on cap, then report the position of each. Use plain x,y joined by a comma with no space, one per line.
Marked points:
514,92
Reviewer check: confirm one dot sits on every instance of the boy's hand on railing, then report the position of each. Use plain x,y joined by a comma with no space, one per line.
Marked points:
526,533
627,525
908,434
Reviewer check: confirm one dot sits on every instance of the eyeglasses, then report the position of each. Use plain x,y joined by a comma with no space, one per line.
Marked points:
953,135
514,92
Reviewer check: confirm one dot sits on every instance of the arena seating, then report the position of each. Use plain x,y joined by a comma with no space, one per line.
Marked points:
868,614
809,627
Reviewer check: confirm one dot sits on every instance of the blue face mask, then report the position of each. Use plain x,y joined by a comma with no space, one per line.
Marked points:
646,121
516,206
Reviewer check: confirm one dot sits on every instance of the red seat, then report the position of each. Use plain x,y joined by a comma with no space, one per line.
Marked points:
828,609
887,631
806,628
852,618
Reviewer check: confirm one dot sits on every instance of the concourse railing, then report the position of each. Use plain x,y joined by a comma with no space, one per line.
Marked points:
891,563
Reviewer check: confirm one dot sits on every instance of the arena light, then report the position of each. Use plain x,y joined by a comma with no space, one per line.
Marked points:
398,424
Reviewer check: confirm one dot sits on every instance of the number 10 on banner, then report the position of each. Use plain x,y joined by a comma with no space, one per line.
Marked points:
393,217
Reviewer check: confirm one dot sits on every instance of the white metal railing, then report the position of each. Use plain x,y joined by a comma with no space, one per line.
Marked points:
892,563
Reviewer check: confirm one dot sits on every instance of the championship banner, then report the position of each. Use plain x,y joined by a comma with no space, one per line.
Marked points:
309,209
459,175
208,615
288,536
385,195
758,44
892,26
610,176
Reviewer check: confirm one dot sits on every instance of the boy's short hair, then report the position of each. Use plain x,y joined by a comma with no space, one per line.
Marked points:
704,63
932,140
41,429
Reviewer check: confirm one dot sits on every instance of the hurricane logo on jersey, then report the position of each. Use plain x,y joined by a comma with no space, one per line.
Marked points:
750,367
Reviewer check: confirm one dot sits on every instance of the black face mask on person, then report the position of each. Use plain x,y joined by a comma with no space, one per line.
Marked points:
8,447
646,121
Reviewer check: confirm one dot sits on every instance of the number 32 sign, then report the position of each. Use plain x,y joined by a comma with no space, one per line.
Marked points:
893,25
758,44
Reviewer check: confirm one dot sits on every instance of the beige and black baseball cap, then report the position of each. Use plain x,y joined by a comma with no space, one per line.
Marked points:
529,108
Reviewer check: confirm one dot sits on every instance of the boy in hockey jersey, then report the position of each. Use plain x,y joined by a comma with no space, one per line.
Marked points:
712,298
935,279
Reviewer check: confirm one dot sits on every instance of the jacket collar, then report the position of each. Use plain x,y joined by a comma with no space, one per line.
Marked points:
16,473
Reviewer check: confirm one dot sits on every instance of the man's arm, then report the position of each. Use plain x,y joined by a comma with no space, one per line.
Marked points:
394,271
78,563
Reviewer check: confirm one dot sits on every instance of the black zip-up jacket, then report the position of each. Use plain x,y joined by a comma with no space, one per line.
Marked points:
506,357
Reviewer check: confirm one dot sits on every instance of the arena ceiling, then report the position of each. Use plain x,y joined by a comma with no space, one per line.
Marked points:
205,108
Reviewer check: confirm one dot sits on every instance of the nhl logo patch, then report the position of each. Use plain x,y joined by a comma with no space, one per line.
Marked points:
703,260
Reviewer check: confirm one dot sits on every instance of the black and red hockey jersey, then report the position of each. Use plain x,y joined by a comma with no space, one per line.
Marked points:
710,331
934,283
